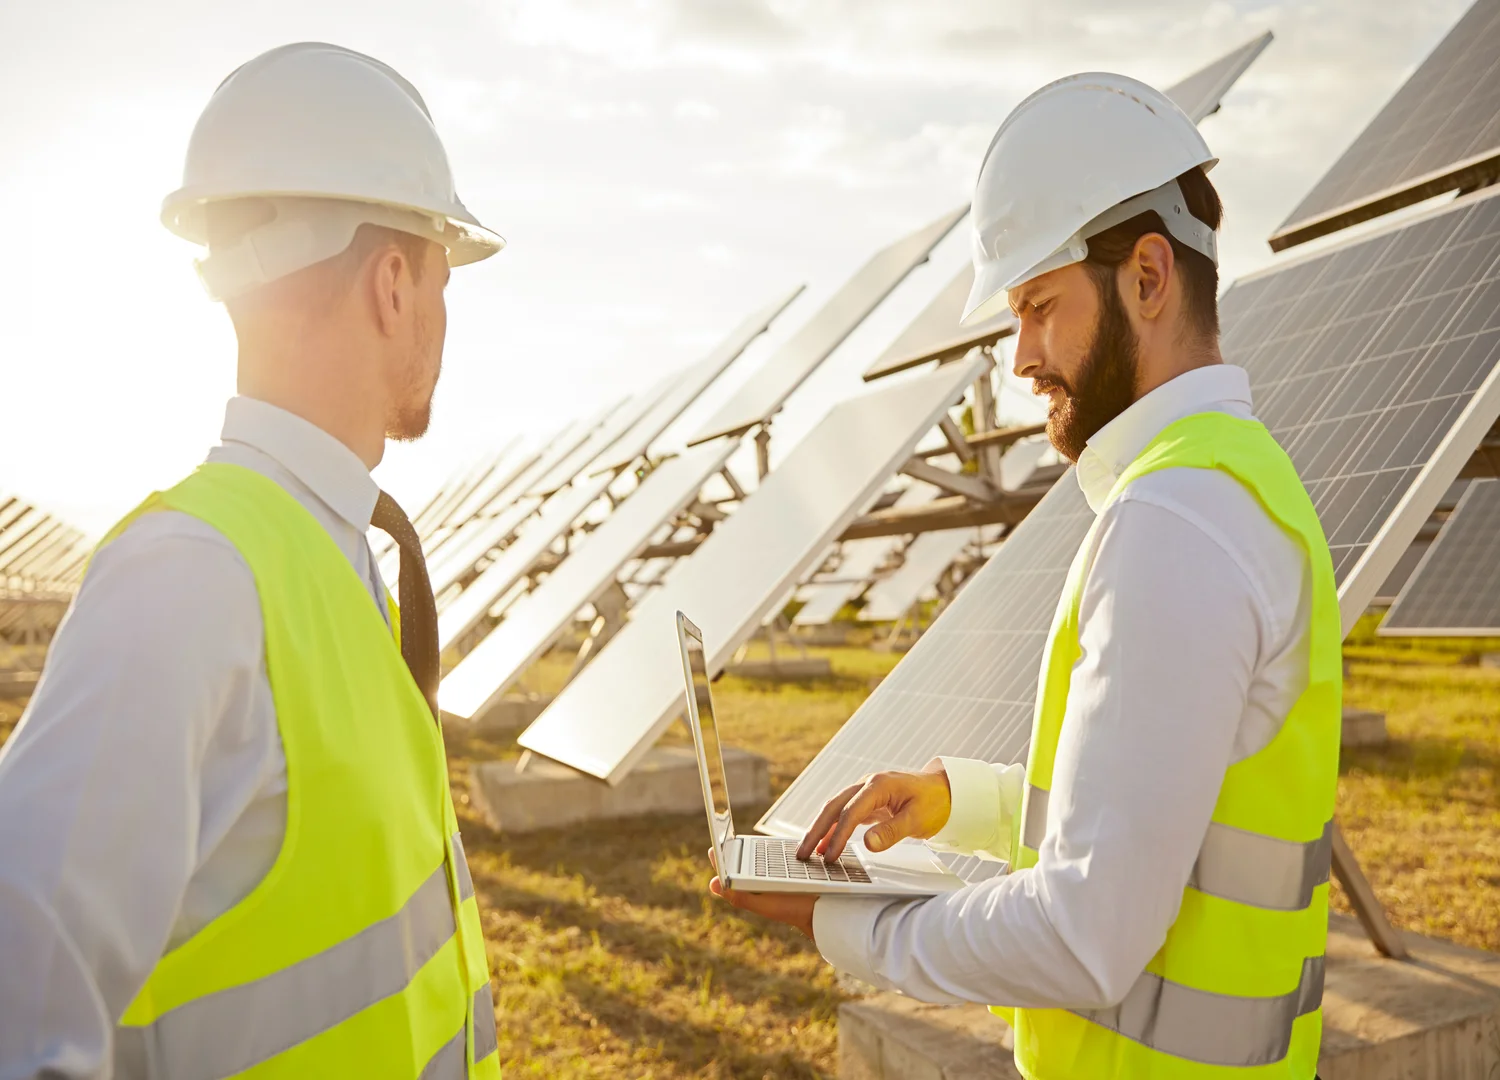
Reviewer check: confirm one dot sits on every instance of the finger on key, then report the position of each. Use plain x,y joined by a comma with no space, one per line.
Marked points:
870,798
826,817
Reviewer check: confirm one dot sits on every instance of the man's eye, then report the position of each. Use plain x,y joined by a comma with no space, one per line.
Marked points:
1041,307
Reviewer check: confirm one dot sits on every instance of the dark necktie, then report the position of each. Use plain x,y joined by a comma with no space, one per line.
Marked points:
419,630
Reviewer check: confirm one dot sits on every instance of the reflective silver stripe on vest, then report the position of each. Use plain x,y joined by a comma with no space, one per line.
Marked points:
449,1062
465,881
486,1038
1213,1029
1233,864
223,1033
1034,825
1262,871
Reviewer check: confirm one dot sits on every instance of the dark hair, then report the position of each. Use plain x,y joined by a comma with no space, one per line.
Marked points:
1200,277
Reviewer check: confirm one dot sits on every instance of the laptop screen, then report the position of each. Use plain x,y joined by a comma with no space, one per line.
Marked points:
708,736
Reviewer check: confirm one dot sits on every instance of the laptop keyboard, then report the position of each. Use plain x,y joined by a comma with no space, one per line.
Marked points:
777,858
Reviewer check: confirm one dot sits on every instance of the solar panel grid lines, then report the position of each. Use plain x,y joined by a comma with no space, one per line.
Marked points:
691,383
1440,131
555,517
923,562
762,396
1455,589
935,334
1374,364
614,710
533,623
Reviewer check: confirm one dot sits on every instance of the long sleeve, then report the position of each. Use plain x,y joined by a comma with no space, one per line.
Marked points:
103,818
1171,631
983,801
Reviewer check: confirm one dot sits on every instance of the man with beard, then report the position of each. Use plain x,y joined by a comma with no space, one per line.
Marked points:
227,845
1169,836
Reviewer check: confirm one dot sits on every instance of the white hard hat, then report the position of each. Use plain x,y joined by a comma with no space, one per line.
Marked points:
1080,155
331,139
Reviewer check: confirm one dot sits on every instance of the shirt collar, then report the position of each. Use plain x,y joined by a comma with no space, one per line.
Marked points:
1215,388
331,471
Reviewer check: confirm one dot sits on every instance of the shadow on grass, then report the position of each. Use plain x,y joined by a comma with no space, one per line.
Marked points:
696,1048
747,984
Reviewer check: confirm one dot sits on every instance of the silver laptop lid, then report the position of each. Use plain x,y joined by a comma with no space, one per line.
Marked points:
700,716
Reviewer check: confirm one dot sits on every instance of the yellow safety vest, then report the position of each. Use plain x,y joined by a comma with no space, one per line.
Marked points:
360,953
1236,989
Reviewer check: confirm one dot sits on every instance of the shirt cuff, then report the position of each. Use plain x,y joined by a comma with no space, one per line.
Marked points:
980,807
843,927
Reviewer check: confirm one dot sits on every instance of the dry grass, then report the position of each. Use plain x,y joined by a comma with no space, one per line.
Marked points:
611,961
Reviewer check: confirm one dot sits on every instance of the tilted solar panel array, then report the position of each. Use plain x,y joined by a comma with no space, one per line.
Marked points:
1455,590
1361,360
1439,132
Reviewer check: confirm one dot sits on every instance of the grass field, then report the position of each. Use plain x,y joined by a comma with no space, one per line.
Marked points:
611,960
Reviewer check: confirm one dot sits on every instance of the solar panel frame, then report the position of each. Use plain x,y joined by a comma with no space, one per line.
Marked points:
690,384
608,433
1455,589
935,334
1440,131
535,621
860,560
553,521
762,396
612,713
1400,330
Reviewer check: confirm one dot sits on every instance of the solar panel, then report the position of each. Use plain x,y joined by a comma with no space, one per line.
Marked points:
859,561
618,423
1373,364
534,622
934,335
763,395
1440,132
924,561
689,384
557,514
1455,591
450,559
612,713
1199,94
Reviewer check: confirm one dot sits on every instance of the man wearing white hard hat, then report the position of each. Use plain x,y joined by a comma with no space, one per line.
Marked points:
227,845
1169,835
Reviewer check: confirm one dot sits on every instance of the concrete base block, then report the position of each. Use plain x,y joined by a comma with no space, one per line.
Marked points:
1435,1018
814,667
548,795
1363,728
1489,659
831,635
509,715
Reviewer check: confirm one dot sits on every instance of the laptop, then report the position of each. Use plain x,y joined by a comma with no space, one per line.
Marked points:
770,864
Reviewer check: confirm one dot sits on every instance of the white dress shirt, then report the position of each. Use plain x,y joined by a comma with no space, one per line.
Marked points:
144,791
1193,626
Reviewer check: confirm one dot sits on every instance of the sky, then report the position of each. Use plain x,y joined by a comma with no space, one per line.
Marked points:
660,168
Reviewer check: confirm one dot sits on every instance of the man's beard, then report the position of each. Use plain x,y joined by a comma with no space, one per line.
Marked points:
1105,384
412,411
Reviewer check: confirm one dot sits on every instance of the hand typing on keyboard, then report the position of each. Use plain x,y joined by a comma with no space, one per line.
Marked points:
778,859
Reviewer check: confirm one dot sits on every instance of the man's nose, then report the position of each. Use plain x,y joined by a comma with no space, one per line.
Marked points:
1028,359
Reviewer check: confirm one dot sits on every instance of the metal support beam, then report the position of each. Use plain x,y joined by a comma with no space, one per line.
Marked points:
763,450
971,487
985,422
734,485
1363,899
955,436
1000,438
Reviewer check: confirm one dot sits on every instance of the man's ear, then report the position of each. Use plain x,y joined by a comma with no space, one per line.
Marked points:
390,280
1151,265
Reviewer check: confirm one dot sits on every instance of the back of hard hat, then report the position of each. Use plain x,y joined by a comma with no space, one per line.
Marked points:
318,121
1063,156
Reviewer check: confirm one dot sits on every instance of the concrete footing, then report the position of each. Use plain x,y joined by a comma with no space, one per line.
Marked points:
1363,728
1489,659
547,795
787,670
834,634
1436,1017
